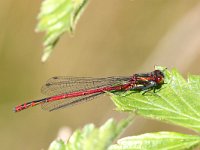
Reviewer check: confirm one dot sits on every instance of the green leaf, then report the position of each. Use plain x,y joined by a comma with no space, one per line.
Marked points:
90,138
159,140
57,145
177,102
57,17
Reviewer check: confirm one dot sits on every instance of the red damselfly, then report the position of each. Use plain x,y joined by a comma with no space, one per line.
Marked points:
67,91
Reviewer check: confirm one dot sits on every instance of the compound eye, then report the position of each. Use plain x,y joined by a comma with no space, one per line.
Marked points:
159,80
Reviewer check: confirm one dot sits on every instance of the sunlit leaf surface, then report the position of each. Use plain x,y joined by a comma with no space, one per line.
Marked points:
159,140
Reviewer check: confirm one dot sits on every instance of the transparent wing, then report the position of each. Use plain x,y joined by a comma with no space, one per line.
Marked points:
51,106
62,84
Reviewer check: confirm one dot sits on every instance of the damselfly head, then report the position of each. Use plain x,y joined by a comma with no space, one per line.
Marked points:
159,76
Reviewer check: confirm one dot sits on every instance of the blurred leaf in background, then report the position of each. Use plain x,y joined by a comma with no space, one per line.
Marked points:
57,17
90,138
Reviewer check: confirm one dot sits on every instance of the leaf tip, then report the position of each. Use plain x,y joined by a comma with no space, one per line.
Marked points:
46,54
